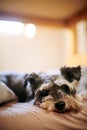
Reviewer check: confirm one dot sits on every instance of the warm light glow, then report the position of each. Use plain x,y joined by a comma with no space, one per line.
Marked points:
11,27
81,33
30,30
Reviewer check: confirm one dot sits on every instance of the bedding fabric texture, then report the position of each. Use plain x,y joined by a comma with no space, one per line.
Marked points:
25,116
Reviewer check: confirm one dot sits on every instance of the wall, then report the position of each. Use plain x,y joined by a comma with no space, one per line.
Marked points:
79,48
49,49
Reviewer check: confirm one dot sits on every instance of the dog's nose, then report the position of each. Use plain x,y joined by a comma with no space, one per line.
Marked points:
60,105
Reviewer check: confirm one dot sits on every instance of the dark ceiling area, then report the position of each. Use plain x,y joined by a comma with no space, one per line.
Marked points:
54,10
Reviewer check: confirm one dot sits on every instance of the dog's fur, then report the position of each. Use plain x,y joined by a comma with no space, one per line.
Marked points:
53,92
58,92
20,84
82,85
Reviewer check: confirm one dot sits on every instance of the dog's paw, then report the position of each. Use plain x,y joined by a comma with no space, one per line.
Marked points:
48,105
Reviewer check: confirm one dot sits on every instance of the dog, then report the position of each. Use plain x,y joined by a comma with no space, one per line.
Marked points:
54,92
58,92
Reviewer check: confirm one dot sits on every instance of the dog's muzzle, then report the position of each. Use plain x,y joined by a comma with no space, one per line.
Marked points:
60,106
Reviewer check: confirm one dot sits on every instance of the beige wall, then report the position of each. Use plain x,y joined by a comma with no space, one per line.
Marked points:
48,50
79,48
51,48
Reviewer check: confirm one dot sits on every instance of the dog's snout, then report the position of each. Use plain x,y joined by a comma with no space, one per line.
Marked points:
60,105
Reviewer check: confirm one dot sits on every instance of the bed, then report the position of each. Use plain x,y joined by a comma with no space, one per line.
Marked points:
26,116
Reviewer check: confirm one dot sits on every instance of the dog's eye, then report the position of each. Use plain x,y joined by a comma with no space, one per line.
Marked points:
40,95
44,93
65,88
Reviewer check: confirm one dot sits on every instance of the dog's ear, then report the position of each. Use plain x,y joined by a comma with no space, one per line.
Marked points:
71,73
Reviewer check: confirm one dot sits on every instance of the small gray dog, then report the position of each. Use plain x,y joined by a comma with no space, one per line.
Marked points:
53,92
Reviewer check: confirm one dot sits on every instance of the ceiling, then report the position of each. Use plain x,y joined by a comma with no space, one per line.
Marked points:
45,9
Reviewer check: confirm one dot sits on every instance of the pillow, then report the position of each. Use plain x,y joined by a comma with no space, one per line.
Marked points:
5,93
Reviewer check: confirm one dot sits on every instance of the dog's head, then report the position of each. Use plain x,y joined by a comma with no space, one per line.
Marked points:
57,93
